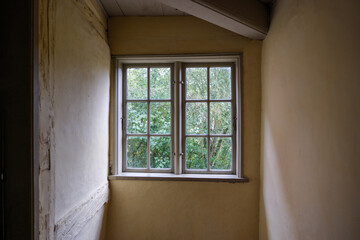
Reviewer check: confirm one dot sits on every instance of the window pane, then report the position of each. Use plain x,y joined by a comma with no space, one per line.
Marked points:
196,153
160,117
160,83
137,83
137,117
220,118
220,153
220,83
136,149
196,118
196,83
160,152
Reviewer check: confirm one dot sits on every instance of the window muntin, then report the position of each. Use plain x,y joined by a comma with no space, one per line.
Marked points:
209,137
148,118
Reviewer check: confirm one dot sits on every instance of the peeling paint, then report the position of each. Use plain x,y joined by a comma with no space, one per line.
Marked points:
46,89
74,221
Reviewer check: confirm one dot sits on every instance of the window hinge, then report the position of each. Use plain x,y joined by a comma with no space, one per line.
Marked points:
122,123
234,123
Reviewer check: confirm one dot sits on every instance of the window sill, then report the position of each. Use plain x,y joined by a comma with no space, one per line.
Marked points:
182,177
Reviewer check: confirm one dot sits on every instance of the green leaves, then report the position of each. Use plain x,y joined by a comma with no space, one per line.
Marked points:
196,83
220,83
159,121
160,83
136,152
208,113
202,88
160,117
137,117
196,153
137,83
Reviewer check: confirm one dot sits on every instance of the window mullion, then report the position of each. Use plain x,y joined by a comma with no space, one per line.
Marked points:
148,118
208,117
177,137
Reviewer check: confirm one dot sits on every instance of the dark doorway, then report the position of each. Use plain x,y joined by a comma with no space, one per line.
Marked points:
16,119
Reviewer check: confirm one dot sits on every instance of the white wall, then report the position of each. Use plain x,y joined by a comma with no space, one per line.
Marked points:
310,122
74,118
81,103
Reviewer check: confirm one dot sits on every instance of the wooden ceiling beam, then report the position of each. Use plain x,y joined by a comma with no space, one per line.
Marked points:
249,18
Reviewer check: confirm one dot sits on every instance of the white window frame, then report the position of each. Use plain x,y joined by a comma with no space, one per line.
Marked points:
177,173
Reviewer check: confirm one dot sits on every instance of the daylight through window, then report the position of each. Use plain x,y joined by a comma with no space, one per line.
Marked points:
178,117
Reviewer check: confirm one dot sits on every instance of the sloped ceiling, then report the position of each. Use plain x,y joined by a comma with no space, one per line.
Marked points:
249,18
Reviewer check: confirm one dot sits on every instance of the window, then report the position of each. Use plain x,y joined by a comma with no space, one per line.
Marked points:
177,118
148,115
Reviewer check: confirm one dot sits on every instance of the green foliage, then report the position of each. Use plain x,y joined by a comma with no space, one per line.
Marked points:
137,83
160,117
220,118
160,83
137,117
220,83
196,83
136,152
220,153
196,118
160,155
196,153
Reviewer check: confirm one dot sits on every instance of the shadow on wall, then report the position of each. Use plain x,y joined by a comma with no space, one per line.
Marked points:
310,120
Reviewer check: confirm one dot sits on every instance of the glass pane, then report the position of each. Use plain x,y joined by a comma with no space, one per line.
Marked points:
136,117
196,153
220,153
160,152
160,83
220,83
136,149
220,118
160,117
196,83
137,83
196,118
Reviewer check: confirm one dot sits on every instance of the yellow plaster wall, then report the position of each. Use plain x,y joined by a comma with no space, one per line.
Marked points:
189,210
310,122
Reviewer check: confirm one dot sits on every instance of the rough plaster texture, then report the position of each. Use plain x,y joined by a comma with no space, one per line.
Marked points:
189,210
310,119
81,106
74,107
93,227
46,118
77,219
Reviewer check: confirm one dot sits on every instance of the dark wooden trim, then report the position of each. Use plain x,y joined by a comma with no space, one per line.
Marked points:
35,121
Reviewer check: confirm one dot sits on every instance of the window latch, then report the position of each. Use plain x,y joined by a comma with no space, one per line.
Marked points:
180,82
